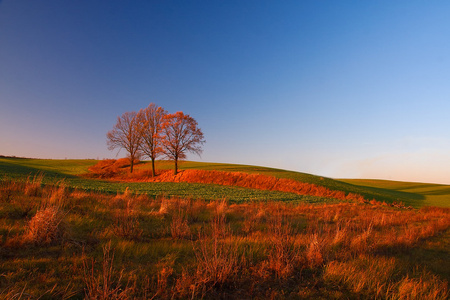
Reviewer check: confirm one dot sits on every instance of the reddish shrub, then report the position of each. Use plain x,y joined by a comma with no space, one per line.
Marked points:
108,168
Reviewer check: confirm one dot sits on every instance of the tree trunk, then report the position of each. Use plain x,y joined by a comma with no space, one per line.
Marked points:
175,170
131,165
153,167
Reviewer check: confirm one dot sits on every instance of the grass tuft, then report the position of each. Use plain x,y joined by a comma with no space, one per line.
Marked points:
106,283
46,227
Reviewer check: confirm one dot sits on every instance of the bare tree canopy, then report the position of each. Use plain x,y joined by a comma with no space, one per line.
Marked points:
126,134
153,132
152,118
181,135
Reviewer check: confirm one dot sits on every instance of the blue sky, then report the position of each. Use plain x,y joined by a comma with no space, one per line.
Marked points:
345,89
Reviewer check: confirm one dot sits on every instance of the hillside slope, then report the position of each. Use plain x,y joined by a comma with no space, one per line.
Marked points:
413,194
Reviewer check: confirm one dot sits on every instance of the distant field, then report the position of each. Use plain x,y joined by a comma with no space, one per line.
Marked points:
413,194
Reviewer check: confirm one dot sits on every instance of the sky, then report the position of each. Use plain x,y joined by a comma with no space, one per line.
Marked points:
343,89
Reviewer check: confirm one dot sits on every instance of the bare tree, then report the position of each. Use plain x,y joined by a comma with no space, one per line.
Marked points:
127,135
181,135
152,119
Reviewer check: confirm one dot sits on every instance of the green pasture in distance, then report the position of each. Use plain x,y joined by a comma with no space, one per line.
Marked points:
55,168
425,194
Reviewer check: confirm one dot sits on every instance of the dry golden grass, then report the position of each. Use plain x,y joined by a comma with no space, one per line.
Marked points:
33,186
371,276
105,283
108,168
47,226
217,258
179,228
125,216
130,246
426,287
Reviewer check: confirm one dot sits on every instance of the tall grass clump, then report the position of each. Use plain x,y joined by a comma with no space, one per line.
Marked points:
105,283
365,275
217,261
314,252
17,204
8,189
33,186
47,226
283,255
426,287
179,227
126,218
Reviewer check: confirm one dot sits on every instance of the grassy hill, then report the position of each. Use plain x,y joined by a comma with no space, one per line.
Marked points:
413,194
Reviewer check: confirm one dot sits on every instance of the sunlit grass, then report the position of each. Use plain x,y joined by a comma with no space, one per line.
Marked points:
229,250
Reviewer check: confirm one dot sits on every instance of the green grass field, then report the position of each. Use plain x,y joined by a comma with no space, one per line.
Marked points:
411,194
414,193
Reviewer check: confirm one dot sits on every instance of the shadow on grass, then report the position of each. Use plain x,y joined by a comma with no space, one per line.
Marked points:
390,196
18,170
439,192
431,255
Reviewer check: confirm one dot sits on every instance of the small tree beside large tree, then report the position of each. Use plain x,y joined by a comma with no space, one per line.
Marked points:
181,135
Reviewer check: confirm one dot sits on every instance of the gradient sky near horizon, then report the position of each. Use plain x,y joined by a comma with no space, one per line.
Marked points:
344,89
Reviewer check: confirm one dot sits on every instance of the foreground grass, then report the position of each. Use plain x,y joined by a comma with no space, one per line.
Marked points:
62,243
